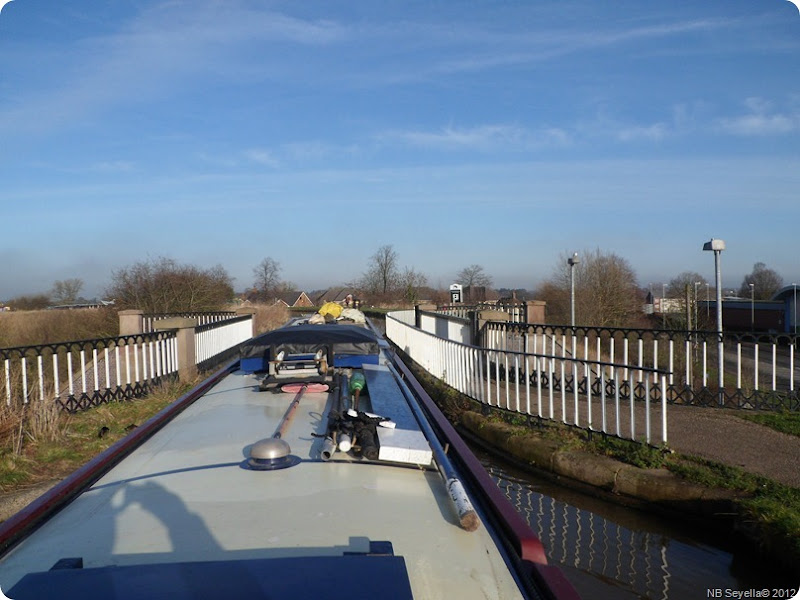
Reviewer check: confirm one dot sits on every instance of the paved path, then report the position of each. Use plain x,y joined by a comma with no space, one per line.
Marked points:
712,433
719,435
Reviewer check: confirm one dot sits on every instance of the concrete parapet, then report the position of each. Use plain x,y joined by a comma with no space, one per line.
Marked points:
131,322
187,357
493,315
535,310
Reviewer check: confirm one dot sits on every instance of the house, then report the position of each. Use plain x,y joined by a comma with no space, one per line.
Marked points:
293,299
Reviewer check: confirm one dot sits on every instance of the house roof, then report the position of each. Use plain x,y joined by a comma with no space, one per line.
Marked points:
292,298
332,295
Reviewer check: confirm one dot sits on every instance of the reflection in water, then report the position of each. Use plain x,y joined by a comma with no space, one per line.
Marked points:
609,551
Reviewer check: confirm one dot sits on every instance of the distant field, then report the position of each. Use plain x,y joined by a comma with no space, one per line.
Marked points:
29,328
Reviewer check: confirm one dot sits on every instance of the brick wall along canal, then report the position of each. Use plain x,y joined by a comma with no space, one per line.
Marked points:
610,552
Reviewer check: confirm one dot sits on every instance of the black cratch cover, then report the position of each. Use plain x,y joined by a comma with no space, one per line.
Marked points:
307,339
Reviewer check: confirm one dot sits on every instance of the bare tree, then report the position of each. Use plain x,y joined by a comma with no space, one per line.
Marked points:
765,282
606,291
266,276
474,275
163,286
411,282
676,288
382,273
66,291
30,302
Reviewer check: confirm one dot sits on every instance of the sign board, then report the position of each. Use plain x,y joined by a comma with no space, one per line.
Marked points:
456,293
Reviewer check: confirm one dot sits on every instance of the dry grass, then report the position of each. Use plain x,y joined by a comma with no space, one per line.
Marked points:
39,442
269,317
29,328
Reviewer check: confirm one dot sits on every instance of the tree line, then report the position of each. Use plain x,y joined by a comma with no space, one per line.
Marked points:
607,292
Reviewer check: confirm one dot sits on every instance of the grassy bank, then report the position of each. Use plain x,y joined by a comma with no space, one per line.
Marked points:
41,453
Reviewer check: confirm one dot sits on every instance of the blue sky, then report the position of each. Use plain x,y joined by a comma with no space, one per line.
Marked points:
504,133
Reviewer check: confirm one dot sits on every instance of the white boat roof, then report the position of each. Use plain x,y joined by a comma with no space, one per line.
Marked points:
185,496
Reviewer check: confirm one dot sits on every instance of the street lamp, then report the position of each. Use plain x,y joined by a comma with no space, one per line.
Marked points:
794,322
696,324
717,246
752,306
572,261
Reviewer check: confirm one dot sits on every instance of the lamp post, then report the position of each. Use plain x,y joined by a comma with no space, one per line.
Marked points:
794,322
717,246
696,322
572,261
663,307
752,306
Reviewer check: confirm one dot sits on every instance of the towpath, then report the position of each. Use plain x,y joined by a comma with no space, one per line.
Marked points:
716,434
721,436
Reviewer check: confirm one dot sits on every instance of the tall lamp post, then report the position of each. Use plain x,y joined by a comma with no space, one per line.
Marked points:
717,246
572,261
794,322
752,306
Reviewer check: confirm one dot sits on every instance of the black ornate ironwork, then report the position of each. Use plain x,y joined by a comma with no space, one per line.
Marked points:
27,372
778,360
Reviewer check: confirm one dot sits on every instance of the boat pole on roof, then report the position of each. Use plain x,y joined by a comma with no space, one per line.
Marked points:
287,417
467,517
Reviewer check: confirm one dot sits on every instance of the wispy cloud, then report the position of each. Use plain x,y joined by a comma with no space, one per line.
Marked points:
760,120
509,49
160,51
481,138
655,132
262,157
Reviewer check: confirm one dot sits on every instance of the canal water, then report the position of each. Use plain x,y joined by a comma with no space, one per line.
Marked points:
610,552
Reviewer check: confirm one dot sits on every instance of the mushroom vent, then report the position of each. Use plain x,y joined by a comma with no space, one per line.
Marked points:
271,454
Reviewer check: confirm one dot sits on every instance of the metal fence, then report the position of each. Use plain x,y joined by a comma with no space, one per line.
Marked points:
216,339
85,373
759,370
150,321
617,399
517,313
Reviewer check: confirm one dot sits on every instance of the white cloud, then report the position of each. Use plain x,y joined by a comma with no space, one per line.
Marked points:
762,120
160,51
482,138
262,157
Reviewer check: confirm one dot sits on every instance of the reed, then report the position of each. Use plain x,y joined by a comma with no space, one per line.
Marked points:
36,327
269,316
